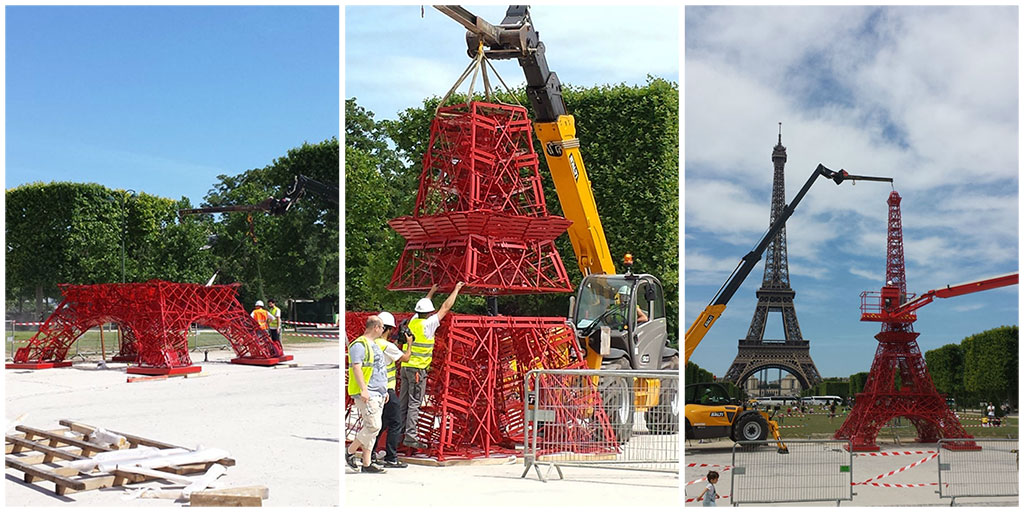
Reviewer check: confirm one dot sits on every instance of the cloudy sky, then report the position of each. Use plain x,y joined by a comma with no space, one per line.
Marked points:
394,58
926,95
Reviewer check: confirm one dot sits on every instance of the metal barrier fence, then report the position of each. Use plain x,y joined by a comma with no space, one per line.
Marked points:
601,419
967,471
812,470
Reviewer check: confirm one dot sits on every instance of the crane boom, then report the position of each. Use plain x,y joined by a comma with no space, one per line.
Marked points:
517,38
300,185
904,312
696,332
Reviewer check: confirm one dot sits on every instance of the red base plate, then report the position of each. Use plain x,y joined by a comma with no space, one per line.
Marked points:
179,370
37,366
268,361
866,448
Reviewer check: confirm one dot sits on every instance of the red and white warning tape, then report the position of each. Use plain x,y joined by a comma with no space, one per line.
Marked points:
887,454
28,323
690,500
314,324
695,465
904,468
724,469
876,484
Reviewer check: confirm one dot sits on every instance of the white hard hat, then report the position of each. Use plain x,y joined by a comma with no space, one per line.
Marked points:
624,290
387,318
424,306
259,303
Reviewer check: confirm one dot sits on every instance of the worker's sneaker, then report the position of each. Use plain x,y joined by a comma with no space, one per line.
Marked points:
351,460
394,464
372,469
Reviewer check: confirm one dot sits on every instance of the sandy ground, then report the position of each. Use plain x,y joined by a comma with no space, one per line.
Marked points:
501,485
720,453
281,425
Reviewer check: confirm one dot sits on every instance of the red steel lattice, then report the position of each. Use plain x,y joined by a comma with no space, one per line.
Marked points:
480,214
474,404
154,318
898,355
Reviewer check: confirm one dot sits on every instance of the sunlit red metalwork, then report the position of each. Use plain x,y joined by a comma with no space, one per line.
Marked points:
154,318
898,356
480,214
475,385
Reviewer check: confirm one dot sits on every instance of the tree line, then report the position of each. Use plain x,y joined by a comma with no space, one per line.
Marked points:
983,367
629,141
64,232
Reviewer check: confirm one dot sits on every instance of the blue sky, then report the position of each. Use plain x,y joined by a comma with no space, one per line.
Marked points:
394,59
927,95
164,99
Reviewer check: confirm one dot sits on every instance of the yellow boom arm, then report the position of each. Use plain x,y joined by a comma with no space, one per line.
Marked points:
562,151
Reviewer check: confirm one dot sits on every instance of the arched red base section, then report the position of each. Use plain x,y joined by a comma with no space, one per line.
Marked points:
154,318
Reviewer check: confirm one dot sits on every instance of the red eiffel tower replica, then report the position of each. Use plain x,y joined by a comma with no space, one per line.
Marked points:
899,383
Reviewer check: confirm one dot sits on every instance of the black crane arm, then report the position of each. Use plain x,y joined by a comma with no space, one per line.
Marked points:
300,185
515,38
746,265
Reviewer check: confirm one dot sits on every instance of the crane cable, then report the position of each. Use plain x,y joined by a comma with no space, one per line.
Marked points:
477,66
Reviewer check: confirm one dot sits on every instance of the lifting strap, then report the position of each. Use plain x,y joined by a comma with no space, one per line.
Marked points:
477,65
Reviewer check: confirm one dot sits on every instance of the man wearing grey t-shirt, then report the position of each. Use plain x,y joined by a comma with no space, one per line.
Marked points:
368,384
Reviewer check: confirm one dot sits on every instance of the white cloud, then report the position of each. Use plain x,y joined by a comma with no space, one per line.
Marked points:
866,274
925,95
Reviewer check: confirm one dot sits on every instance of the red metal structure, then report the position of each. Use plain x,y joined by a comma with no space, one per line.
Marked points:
475,384
480,213
154,318
899,384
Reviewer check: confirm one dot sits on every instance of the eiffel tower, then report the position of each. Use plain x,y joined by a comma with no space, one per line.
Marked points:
775,295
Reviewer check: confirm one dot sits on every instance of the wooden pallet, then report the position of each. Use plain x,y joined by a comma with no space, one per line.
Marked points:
43,454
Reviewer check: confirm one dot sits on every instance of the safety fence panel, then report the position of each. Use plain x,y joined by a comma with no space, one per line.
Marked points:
978,467
791,472
601,419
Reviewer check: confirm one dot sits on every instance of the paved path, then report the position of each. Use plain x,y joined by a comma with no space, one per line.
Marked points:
281,425
719,453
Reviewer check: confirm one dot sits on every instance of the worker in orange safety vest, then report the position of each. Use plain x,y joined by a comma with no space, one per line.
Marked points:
262,316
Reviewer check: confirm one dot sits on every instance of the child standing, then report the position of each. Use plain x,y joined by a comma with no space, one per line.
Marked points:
708,495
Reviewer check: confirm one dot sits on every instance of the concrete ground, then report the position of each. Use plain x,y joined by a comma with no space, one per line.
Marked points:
281,425
501,486
720,453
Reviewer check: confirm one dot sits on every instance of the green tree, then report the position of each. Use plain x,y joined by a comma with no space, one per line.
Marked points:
629,141
293,255
946,365
695,374
991,364
66,232
857,382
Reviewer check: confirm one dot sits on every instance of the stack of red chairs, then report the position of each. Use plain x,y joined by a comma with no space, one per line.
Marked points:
474,406
480,213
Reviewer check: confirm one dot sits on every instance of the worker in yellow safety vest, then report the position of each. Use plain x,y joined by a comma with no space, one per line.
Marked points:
368,385
274,320
414,372
392,419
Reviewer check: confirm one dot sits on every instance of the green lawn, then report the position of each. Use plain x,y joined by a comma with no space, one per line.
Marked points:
819,426
89,343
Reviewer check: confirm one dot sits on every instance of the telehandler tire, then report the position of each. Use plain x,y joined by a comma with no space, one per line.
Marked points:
617,397
750,427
